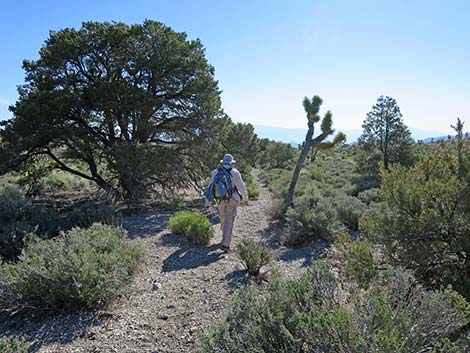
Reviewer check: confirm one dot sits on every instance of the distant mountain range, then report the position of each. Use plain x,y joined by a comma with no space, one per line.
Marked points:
295,136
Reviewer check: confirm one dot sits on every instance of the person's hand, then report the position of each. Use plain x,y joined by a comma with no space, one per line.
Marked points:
245,202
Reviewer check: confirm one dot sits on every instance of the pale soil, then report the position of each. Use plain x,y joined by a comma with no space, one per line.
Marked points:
179,290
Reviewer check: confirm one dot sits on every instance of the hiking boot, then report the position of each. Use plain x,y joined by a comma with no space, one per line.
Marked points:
224,248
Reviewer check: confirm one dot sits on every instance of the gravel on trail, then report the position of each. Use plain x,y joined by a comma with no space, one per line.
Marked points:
179,290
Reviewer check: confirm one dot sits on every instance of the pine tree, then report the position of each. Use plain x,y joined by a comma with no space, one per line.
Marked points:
385,137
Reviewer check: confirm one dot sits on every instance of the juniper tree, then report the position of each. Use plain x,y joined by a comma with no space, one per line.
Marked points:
312,108
124,106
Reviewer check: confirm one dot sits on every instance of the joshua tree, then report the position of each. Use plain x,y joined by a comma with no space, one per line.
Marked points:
312,107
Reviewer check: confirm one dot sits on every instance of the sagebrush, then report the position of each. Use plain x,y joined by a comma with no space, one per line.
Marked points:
254,255
13,345
312,314
84,267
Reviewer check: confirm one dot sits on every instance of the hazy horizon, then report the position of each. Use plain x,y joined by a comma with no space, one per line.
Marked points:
267,57
297,135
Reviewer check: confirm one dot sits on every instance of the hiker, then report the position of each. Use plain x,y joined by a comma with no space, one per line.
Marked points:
227,189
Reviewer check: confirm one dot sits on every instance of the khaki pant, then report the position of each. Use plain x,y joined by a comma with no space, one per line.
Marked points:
227,213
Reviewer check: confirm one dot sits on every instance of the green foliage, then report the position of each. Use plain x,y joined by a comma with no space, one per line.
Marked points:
175,203
85,267
18,218
313,314
385,138
424,220
240,140
8,180
254,255
85,214
252,188
193,225
13,345
312,217
357,260
276,209
370,196
274,154
60,182
130,98
349,209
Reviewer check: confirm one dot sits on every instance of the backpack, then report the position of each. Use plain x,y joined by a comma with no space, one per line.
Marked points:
221,188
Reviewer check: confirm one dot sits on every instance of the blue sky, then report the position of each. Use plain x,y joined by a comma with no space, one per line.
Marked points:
268,55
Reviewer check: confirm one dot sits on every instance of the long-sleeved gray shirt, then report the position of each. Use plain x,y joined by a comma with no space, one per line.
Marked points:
237,182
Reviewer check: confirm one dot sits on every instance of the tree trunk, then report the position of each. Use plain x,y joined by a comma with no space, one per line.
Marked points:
386,147
300,164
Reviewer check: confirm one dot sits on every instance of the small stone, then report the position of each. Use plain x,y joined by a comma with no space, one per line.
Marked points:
156,285
163,317
171,306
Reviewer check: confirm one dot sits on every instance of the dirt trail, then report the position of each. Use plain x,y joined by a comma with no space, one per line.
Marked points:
180,289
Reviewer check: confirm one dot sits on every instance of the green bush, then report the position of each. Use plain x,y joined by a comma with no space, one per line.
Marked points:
88,213
369,197
193,225
19,217
84,267
60,182
312,217
173,204
349,209
13,345
314,314
276,209
357,260
254,255
424,220
253,190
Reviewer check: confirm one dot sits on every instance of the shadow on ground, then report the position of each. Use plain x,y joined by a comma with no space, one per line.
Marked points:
236,279
273,237
48,328
188,256
146,224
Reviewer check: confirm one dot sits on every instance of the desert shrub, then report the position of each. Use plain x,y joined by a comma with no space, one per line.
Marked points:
13,345
307,315
174,204
312,217
82,268
398,315
278,182
192,225
88,213
357,260
369,196
276,209
8,180
349,209
364,182
19,217
254,255
253,189
59,181
424,220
